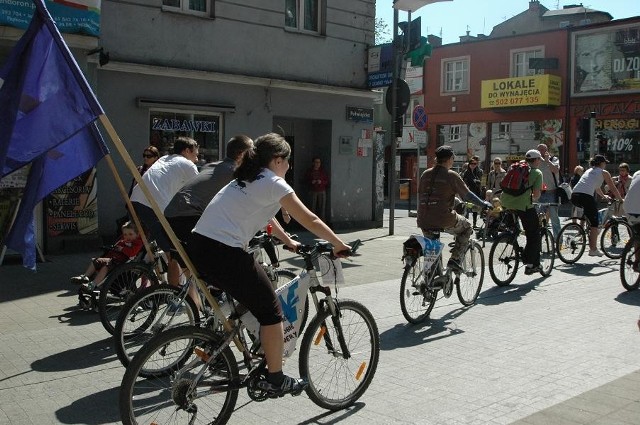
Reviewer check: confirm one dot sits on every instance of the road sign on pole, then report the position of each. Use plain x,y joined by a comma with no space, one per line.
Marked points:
419,117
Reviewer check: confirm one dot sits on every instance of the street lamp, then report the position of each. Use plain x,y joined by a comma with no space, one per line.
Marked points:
408,6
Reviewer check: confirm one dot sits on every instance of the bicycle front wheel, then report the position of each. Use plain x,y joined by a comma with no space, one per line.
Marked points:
146,314
614,238
416,301
629,271
179,395
339,355
571,242
503,260
548,253
471,278
122,283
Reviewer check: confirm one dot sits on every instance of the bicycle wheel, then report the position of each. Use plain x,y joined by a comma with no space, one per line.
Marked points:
177,396
629,274
614,238
571,242
470,282
416,302
122,282
339,355
548,253
148,313
285,276
503,260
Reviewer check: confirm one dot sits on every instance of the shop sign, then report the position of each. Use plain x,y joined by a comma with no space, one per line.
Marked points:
183,125
606,60
70,16
380,66
72,208
358,114
522,91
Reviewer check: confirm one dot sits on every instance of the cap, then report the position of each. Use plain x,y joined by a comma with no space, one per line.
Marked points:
444,152
599,159
533,154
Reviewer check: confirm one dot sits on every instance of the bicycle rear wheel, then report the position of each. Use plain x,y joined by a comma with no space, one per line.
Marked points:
121,283
177,396
614,238
548,253
416,301
503,260
629,270
148,313
571,242
470,282
337,378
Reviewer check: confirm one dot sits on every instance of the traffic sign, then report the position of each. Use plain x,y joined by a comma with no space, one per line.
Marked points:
419,117
402,99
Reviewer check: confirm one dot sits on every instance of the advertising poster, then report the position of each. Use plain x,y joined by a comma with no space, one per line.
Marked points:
72,209
606,60
71,16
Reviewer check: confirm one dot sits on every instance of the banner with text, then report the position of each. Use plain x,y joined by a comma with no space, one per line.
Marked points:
71,16
544,90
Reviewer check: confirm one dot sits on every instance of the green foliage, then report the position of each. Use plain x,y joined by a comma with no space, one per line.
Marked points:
382,32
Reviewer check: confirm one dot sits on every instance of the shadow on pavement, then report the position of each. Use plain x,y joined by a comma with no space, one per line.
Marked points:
334,417
408,335
75,316
98,408
629,297
94,354
582,269
497,295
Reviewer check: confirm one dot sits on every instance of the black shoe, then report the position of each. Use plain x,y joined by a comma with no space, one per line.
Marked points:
454,265
289,386
531,270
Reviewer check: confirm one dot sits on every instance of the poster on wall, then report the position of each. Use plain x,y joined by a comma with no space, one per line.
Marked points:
71,16
11,188
606,60
72,209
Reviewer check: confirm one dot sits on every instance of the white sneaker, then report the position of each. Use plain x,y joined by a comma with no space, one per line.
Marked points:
595,253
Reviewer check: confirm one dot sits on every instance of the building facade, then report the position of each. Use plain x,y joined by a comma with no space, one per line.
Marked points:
211,69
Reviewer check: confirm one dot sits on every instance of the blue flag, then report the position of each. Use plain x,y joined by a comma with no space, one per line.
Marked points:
47,119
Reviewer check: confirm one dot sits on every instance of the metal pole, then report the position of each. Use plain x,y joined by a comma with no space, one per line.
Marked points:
394,117
593,149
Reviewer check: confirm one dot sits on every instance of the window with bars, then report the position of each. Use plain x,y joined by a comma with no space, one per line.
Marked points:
303,15
455,133
194,7
520,62
455,75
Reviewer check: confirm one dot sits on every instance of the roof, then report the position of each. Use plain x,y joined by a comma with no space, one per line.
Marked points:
570,11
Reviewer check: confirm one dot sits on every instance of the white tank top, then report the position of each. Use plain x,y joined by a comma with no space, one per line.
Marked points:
590,181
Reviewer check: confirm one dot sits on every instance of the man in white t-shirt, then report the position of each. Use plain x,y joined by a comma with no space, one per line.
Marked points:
163,179
632,199
550,167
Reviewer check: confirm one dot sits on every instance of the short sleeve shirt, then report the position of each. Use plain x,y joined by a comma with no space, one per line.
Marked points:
547,175
523,202
437,189
242,208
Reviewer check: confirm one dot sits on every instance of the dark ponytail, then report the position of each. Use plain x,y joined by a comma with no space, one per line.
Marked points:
267,147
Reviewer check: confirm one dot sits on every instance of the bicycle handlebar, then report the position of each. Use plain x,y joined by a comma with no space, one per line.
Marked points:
324,247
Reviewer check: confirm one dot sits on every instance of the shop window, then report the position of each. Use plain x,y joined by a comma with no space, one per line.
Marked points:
454,133
192,7
303,15
520,62
455,75
166,126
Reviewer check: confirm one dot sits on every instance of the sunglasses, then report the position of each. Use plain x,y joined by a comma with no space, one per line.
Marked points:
148,155
473,163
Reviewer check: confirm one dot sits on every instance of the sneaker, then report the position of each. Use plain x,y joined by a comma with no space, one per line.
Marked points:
531,270
289,386
454,264
595,253
88,286
79,280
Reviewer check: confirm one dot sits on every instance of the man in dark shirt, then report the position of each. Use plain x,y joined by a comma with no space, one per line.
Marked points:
437,190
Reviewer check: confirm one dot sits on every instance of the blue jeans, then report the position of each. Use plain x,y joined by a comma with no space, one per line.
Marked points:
549,196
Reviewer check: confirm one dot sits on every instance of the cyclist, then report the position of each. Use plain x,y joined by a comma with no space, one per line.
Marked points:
437,189
219,239
550,168
523,205
584,196
632,209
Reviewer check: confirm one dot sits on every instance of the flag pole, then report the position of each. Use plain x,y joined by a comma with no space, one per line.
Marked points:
163,221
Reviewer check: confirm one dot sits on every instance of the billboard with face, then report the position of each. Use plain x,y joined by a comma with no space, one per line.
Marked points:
606,60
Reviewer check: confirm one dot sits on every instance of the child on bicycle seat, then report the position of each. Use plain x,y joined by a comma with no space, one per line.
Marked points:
125,248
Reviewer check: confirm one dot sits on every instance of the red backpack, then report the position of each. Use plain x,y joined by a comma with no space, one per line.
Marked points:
516,181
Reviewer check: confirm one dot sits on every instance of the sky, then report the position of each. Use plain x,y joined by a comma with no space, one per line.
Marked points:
455,17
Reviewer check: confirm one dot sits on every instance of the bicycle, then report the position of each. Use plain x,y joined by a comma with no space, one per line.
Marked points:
629,259
193,370
153,309
506,250
572,239
424,276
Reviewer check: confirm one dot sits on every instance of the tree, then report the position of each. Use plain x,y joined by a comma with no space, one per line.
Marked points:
382,32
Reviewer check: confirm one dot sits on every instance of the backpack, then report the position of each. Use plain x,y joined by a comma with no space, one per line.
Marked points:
516,181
